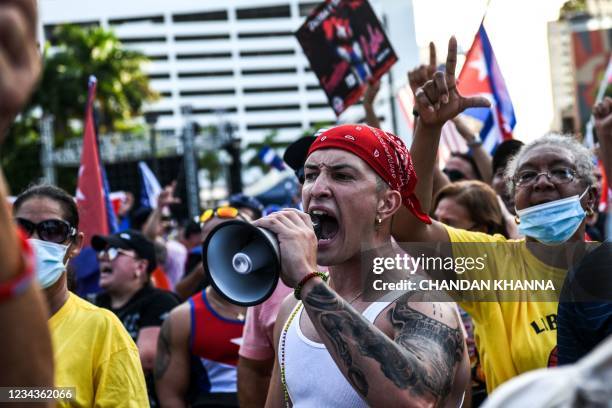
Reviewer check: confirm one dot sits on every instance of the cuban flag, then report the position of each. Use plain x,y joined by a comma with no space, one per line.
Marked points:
271,158
90,194
481,76
150,186
93,201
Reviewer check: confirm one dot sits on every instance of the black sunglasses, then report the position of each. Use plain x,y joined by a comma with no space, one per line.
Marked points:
56,231
454,175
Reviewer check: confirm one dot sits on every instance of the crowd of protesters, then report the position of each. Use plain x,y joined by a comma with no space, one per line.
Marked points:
154,332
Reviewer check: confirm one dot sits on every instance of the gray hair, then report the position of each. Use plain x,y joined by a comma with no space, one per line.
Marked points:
581,157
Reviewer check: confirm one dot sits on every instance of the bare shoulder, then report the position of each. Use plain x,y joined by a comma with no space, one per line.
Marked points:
285,309
432,340
177,325
418,304
435,328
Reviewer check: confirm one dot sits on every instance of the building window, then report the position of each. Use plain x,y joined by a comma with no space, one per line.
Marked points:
220,15
266,53
206,74
264,108
266,34
264,126
159,76
139,40
271,71
144,19
201,37
306,8
209,55
208,92
263,12
271,90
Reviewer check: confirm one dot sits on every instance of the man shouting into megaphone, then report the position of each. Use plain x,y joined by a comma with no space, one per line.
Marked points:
345,351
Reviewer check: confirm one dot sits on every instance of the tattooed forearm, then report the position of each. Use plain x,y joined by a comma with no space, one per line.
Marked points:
421,358
333,326
162,360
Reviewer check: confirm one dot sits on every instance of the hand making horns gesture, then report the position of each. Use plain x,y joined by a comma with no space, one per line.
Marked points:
439,100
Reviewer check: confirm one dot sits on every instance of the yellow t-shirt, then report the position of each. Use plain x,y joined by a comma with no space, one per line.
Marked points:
511,337
94,353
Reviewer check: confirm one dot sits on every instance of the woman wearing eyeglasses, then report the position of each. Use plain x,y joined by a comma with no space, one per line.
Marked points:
551,180
92,351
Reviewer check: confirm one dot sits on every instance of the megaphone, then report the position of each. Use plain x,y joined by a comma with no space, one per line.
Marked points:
243,261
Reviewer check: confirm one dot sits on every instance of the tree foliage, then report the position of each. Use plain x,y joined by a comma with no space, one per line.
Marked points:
77,52
571,8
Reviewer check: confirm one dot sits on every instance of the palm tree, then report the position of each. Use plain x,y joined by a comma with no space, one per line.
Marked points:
77,53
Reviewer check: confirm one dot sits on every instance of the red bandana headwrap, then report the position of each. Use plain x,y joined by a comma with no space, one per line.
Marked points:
384,152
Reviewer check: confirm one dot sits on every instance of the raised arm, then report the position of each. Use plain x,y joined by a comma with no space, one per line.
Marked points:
603,123
165,199
369,96
482,158
436,102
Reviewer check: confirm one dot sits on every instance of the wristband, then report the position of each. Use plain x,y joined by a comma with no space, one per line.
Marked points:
18,284
297,292
476,141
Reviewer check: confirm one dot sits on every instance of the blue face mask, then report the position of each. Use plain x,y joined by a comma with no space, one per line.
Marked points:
553,222
49,261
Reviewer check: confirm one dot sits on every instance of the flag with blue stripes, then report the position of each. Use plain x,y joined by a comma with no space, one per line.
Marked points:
271,158
481,76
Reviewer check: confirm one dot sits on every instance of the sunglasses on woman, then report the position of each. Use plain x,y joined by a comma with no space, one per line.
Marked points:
56,231
221,212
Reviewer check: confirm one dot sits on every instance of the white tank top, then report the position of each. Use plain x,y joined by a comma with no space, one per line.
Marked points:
313,378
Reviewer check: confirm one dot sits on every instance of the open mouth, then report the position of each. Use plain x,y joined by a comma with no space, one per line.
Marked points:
106,269
326,225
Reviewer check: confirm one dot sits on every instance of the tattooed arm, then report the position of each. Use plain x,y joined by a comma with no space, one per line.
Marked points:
172,362
411,362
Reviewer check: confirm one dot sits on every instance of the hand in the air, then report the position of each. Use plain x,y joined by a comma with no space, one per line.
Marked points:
166,197
439,100
602,113
370,92
423,73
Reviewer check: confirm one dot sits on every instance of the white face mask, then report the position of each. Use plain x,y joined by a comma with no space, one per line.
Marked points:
49,261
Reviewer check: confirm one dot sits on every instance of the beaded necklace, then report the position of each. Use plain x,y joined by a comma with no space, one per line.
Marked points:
294,313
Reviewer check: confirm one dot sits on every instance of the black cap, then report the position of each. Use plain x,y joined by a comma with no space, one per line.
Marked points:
131,240
295,155
239,200
504,152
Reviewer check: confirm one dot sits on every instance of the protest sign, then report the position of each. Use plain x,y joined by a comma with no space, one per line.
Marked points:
346,47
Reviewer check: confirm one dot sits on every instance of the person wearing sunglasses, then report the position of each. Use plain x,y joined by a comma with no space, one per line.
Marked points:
198,345
127,260
92,350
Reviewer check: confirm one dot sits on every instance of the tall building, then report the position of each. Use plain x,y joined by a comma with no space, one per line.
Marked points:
237,60
562,64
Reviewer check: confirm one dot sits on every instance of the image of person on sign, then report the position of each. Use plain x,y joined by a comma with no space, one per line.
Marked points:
338,31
